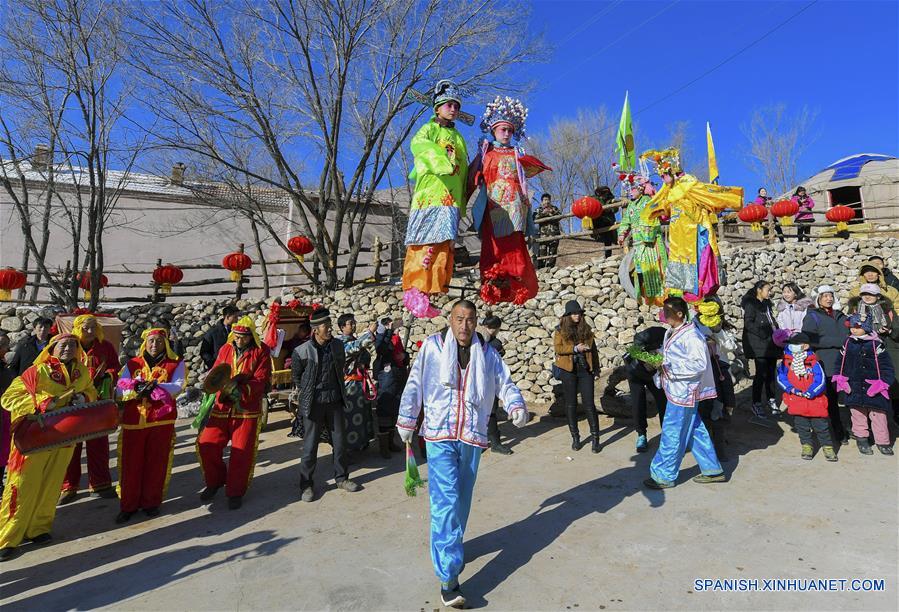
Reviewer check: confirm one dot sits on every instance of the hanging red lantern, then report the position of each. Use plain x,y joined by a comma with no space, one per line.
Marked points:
753,214
785,210
300,246
166,276
586,209
11,280
84,281
841,215
236,263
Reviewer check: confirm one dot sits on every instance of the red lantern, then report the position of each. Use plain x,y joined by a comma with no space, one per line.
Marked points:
785,210
841,215
586,209
84,281
300,246
10,280
754,214
236,263
166,276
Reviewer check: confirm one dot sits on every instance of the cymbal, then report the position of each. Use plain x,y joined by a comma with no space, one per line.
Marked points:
217,378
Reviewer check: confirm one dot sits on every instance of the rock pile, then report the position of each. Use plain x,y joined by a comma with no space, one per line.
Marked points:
527,330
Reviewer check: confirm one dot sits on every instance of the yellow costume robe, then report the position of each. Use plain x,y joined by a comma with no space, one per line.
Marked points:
34,480
692,208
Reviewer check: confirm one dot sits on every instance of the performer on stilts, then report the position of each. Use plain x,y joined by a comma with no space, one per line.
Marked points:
692,207
687,378
57,378
455,377
236,415
102,359
502,209
441,168
148,385
645,235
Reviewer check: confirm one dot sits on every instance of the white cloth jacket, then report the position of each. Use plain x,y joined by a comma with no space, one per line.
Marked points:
457,402
686,373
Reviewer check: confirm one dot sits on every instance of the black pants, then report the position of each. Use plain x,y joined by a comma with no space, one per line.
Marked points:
765,374
803,232
579,381
639,382
840,417
492,424
330,416
810,428
777,230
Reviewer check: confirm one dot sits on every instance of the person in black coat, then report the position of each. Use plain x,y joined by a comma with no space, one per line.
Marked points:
758,344
31,346
391,369
826,329
605,220
640,382
492,324
217,336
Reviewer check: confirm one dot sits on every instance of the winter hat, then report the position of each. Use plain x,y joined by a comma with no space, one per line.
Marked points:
322,315
573,307
869,288
869,267
857,320
827,289
800,338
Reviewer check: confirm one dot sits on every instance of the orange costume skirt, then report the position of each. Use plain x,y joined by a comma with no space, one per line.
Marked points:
428,267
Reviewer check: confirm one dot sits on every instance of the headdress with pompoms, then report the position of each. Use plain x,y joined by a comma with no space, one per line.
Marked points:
505,110
667,161
634,179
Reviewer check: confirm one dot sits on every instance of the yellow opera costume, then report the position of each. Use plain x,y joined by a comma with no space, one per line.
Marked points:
692,208
34,480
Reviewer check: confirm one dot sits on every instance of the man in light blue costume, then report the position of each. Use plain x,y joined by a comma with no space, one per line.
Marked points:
687,378
456,377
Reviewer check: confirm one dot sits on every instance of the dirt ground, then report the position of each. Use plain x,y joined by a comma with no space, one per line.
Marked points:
551,529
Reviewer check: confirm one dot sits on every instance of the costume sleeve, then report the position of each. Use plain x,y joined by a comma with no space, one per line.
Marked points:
624,227
175,386
430,157
506,390
717,198
18,399
122,390
689,363
251,392
658,206
413,393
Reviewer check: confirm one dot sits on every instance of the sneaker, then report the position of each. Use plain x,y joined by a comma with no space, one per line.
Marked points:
651,483
500,449
41,538
307,495
829,454
208,493
7,553
844,441
808,452
67,497
885,449
863,447
348,485
642,444
105,493
703,479
123,517
773,407
452,597
235,502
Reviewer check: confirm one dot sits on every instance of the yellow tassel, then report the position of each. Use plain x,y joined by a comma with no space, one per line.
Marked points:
5,295
756,227
842,226
166,289
786,221
235,275
587,223
87,295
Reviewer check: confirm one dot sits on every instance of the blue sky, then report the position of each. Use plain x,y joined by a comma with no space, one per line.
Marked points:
839,58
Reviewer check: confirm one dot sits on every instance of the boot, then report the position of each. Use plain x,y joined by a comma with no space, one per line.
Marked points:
863,446
593,420
496,446
575,437
384,445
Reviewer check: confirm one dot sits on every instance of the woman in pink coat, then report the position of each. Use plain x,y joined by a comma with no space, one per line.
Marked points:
804,217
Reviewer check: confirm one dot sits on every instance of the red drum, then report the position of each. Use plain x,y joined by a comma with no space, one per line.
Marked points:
66,425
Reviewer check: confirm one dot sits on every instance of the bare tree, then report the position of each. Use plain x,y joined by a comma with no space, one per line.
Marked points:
579,150
327,80
60,85
775,142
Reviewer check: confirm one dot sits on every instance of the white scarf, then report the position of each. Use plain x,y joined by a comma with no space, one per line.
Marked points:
476,372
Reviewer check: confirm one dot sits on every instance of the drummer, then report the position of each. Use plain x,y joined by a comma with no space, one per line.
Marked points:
148,384
57,378
235,415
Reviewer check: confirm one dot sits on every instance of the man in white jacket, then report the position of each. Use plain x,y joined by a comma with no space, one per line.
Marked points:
456,377
687,378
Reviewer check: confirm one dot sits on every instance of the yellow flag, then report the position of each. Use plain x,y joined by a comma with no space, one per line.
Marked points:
713,161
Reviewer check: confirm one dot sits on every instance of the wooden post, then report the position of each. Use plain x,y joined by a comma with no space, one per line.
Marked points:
376,258
155,298
240,290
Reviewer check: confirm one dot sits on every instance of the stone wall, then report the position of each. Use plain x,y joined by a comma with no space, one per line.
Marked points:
527,329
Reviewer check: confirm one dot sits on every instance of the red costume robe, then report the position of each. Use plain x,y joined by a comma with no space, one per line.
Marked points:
238,423
103,362
147,440
502,214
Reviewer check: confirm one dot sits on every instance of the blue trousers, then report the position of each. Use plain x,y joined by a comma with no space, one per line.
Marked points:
452,471
683,429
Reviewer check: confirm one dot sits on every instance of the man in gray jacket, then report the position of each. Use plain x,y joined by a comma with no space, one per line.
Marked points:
317,371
